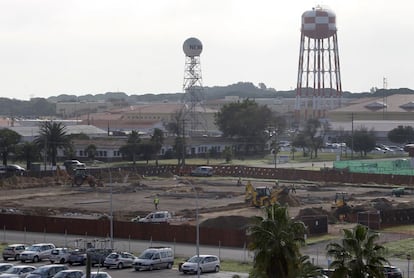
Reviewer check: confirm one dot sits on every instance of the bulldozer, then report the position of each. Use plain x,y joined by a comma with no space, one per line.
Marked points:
262,196
81,175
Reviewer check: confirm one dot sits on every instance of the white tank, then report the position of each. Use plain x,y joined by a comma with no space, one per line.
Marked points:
192,47
318,23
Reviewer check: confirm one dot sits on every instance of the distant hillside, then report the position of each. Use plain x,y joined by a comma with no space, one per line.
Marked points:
38,107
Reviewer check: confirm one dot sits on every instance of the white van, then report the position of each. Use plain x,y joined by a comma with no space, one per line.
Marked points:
156,217
155,258
203,171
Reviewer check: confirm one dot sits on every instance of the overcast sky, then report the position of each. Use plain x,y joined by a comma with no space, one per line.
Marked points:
52,47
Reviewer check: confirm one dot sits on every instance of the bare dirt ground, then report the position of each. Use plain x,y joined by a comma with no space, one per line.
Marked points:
131,195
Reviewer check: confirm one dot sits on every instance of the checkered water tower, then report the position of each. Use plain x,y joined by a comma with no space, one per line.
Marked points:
319,78
193,88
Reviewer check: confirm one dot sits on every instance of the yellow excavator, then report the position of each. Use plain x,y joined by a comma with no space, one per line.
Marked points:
261,196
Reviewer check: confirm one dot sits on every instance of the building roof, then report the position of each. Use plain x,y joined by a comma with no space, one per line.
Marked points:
379,126
32,131
394,103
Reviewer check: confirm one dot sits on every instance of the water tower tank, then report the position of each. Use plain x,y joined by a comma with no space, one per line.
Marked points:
318,23
192,47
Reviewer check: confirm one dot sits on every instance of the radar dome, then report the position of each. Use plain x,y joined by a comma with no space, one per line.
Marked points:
319,23
192,47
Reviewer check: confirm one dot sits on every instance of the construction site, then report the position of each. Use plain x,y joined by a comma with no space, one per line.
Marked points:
227,200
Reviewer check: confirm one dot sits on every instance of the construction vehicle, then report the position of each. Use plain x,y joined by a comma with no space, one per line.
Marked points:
397,192
260,196
81,175
340,205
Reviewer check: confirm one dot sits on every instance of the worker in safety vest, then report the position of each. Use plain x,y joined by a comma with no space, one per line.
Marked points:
156,202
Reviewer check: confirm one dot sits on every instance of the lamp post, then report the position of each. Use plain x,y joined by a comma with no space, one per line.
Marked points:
197,227
408,265
111,212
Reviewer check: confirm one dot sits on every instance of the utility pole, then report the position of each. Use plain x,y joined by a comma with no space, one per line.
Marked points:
352,135
183,142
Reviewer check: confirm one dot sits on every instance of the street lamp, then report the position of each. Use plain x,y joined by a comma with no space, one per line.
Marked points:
197,227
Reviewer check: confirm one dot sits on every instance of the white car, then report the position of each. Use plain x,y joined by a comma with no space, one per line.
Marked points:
98,274
119,260
5,266
156,217
18,271
201,263
59,255
37,252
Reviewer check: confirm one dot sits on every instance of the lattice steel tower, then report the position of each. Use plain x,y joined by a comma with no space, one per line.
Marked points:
193,88
319,78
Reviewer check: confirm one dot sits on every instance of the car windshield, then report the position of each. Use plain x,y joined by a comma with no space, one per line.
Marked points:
40,270
113,256
146,255
34,248
13,270
195,259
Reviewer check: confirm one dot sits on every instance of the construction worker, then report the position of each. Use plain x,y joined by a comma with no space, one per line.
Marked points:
156,202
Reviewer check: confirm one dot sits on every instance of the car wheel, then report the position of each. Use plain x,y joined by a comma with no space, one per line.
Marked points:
120,266
4,259
62,261
17,257
217,269
151,267
199,271
35,259
137,269
169,265
52,262
70,263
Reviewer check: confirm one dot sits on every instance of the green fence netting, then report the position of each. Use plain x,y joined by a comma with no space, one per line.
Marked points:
394,167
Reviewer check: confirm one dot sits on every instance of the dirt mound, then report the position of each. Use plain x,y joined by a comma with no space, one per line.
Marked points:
227,222
286,198
315,212
382,204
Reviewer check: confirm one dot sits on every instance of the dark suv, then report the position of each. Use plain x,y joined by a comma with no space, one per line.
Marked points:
97,256
392,272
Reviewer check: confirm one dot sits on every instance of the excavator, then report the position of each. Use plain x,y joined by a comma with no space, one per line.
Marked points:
80,176
262,196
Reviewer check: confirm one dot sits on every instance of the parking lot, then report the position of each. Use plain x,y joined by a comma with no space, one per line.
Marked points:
135,247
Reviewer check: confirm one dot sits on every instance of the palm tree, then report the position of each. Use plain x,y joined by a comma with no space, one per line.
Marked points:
91,151
276,241
52,136
157,139
358,254
8,141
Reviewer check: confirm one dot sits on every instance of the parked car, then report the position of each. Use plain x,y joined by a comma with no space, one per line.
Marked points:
59,255
156,217
119,260
202,171
5,266
97,255
155,258
98,274
69,273
19,271
13,251
73,164
205,263
77,256
47,271
37,252
12,169
392,272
